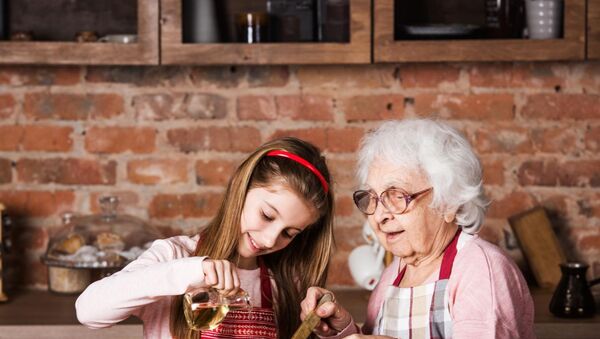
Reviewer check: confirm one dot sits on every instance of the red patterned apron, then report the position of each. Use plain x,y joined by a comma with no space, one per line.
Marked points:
420,311
256,323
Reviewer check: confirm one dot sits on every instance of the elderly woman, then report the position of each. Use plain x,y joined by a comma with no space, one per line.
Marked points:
422,194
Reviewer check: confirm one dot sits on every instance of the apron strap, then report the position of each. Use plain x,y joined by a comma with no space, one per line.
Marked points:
266,298
447,261
449,255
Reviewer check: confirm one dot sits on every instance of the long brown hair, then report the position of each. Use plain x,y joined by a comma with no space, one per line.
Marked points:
304,261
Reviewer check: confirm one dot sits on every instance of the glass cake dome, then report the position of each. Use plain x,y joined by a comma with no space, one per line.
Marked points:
106,240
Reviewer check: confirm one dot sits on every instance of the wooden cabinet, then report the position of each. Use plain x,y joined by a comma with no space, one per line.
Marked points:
160,41
593,33
144,52
570,47
174,51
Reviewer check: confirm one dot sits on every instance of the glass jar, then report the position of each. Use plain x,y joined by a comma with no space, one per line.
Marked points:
95,245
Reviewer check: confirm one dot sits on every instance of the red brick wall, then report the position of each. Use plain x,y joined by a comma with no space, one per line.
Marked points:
165,139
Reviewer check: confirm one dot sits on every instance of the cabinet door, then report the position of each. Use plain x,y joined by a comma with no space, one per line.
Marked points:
67,51
593,38
356,51
570,47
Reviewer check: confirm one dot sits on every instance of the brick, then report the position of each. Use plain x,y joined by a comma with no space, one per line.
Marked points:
562,106
67,171
589,206
10,137
218,77
44,105
137,75
161,107
44,76
331,139
8,106
215,172
268,76
344,206
502,138
583,173
373,107
47,138
510,204
343,139
128,200
343,172
351,237
428,75
157,171
32,238
347,76
590,77
468,107
224,139
339,272
503,75
185,205
493,171
120,139
256,107
5,171
590,242
554,140
316,136
592,138
37,203
305,107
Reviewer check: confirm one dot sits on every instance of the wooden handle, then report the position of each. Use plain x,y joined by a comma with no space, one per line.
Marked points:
311,320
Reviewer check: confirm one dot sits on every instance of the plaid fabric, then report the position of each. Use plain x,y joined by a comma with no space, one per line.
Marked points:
415,312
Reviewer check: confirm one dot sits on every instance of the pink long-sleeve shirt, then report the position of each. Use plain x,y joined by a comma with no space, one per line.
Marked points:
488,295
144,287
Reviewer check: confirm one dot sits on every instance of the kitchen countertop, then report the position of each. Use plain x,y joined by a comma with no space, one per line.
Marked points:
40,314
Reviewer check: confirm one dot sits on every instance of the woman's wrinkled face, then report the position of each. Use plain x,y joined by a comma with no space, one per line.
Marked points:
271,218
410,235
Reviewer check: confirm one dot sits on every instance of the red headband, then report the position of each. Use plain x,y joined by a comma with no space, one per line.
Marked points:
298,159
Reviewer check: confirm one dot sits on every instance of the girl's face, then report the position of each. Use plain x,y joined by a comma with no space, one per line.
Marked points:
271,218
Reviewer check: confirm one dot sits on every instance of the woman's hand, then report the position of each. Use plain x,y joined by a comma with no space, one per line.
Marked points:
221,275
334,318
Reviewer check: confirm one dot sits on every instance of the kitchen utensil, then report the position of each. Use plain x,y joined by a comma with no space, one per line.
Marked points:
544,18
200,21
311,320
573,297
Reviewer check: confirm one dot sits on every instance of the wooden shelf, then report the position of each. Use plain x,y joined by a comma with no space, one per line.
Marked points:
144,52
36,314
357,51
593,37
571,47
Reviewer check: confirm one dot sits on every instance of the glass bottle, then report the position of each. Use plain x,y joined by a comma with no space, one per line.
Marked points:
207,309
505,19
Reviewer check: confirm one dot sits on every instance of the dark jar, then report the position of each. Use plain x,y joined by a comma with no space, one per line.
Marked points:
573,297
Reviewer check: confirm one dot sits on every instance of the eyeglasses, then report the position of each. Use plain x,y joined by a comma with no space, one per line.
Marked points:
394,199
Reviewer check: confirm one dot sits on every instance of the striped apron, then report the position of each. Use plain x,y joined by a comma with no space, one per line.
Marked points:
256,323
420,311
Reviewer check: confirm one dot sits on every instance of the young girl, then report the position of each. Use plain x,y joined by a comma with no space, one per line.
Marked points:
271,237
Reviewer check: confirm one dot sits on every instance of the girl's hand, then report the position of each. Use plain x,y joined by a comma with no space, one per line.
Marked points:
221,275
334,318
